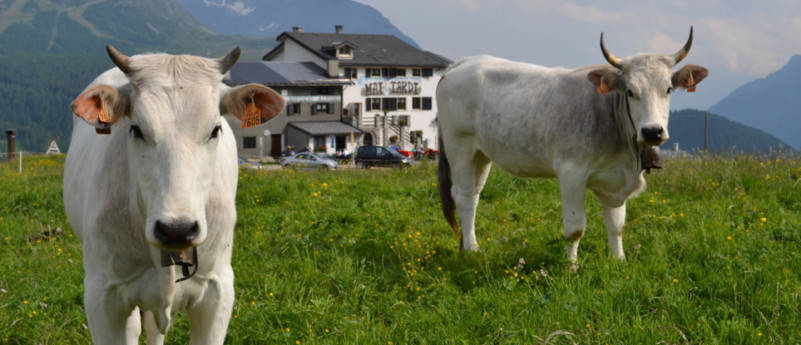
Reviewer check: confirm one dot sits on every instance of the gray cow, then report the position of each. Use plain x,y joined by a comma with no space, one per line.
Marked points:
587,127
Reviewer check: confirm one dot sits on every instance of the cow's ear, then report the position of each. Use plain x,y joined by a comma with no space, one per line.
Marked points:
689,76
101,106
252,104
607,80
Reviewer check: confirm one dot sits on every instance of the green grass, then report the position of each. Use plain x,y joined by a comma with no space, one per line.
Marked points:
364,257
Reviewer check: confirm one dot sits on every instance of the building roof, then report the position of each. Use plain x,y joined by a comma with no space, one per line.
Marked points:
368,49
325,127
280,73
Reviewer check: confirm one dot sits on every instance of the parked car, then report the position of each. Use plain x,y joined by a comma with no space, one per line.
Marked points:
368,156
308,160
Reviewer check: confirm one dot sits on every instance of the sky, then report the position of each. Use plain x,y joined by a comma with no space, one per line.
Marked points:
737,40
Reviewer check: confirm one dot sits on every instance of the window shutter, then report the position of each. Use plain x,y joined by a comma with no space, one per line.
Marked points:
426,103
313,109
330,108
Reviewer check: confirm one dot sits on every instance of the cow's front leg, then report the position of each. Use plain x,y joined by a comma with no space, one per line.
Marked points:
210,316
614,219
110,321
154,336
573,216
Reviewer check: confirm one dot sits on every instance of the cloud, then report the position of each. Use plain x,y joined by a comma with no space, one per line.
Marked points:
237,7
240,8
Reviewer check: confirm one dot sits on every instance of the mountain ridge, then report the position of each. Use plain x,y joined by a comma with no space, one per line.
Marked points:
771,104
258,19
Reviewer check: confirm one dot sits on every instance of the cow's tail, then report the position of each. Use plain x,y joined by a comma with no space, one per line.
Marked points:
445,184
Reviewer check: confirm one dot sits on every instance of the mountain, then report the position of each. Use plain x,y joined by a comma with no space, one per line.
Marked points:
51,49
772,104
265,18
687,128
86,26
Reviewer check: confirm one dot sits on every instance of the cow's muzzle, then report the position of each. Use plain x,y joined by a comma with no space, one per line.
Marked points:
653,136
177,235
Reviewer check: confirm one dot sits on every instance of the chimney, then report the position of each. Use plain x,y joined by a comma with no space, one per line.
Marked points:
297,29
339,28
333,68
11,136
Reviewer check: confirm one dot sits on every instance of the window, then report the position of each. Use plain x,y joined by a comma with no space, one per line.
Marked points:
319,143
320,108
416,72
400,72
426,103
391,72
372,104
428,72
351,110
402,103
323,91
351,73
421,103
249,142
390,103
292,109
373,72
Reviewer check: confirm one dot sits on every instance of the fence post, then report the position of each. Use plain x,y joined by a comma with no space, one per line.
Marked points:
20,162
11,135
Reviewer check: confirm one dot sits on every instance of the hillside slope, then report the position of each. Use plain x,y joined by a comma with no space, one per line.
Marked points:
50,50
771,104
687,128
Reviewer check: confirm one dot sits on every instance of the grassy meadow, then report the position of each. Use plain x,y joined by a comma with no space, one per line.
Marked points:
364,257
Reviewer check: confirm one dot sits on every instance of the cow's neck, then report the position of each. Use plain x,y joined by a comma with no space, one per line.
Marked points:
646,157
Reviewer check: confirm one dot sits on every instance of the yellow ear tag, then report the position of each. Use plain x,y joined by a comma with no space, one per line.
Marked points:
252,116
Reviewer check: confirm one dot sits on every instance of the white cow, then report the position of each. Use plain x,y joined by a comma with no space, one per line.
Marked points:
535,121
151,174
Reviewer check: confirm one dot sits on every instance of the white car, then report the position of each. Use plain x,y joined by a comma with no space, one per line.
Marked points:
308,160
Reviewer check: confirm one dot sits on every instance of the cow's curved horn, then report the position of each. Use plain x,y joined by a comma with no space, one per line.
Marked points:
119,59
611,58
228,61
681,54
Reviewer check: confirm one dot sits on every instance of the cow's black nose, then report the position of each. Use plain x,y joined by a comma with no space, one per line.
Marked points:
652,134
176,234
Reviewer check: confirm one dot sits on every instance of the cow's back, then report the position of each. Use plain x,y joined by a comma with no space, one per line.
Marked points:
525,118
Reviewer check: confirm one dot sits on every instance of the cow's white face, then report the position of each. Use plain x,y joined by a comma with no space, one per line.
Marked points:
172,106
648,91
647,82
173,154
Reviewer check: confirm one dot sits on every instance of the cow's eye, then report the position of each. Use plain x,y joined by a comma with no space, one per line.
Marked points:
629,93
137,132
669,90
215,132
